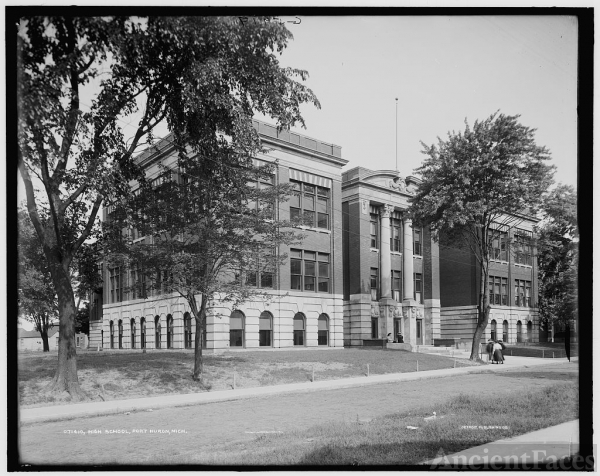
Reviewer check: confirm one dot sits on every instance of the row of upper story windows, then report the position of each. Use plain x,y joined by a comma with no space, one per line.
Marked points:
310,271
498,292
396,282
522,248
396,236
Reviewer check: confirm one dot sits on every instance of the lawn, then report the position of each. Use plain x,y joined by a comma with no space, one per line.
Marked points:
546,350
406,438
124,374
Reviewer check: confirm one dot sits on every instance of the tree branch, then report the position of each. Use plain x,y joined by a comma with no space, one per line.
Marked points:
31,205
88,228
74,196
73,114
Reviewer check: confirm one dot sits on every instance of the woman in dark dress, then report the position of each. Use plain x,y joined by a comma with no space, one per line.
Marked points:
489,348
498,357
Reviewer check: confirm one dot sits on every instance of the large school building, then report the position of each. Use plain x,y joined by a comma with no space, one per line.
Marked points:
363,273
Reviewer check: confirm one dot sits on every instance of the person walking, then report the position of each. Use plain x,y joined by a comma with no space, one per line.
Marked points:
568,341
490,350
498,357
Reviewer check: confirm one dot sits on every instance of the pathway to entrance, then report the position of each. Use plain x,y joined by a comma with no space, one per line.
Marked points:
162,435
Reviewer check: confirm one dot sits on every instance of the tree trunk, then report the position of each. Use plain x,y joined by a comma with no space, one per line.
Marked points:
200,316
483,308
44,335
65,378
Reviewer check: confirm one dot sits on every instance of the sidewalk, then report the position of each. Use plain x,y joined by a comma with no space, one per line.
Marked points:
90,409
535,450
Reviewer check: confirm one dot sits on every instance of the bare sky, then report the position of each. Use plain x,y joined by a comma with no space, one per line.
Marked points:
442,69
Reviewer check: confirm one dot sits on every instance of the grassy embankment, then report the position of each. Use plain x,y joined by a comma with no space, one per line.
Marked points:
389,441
125,374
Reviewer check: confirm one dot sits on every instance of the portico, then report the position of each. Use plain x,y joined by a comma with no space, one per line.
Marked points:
384,280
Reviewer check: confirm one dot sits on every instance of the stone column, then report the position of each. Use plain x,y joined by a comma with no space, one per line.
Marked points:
408,302
407,261
385,258
386,303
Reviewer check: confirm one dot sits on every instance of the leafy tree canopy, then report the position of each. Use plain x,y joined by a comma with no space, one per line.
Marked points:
83,81
558,255
476,182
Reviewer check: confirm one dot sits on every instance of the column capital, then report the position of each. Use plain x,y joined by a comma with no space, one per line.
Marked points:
386,211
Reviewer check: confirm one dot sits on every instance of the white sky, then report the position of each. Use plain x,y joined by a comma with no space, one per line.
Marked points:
442,69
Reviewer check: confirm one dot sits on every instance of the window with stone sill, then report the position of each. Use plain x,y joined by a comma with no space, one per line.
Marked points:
267,208
397,286
310,205
310,271
522,293
498,290
396,234
374,283
522,248
418,284
374,231
417,241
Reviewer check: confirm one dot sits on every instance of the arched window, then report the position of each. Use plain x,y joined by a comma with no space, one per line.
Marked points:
493,330
120,334
236,329
157,332
133,333
299,329
187,330
169,331
529,331
112,334
265,329
505,331
143,332
323,330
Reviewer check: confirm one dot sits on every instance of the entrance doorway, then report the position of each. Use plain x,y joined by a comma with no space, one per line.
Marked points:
397,328
419,331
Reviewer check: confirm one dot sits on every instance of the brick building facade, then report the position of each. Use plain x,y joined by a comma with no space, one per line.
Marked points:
512,287
362,272
391,282
307,309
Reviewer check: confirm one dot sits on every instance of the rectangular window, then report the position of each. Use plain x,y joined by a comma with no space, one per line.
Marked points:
257,204
374,231
523,249
138,282
309,271
418,287
395,235
264,331
259,270
499,245
417,241
374,283
116,285
296,269
522,293
310,205
397,286
498,289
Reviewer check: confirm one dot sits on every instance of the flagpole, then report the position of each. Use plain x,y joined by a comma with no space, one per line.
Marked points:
396,134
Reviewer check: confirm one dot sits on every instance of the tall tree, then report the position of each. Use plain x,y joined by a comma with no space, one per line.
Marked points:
211,233
475,183
83,80
37,298
558,256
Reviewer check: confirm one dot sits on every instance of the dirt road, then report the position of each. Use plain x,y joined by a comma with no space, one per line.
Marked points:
147,437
